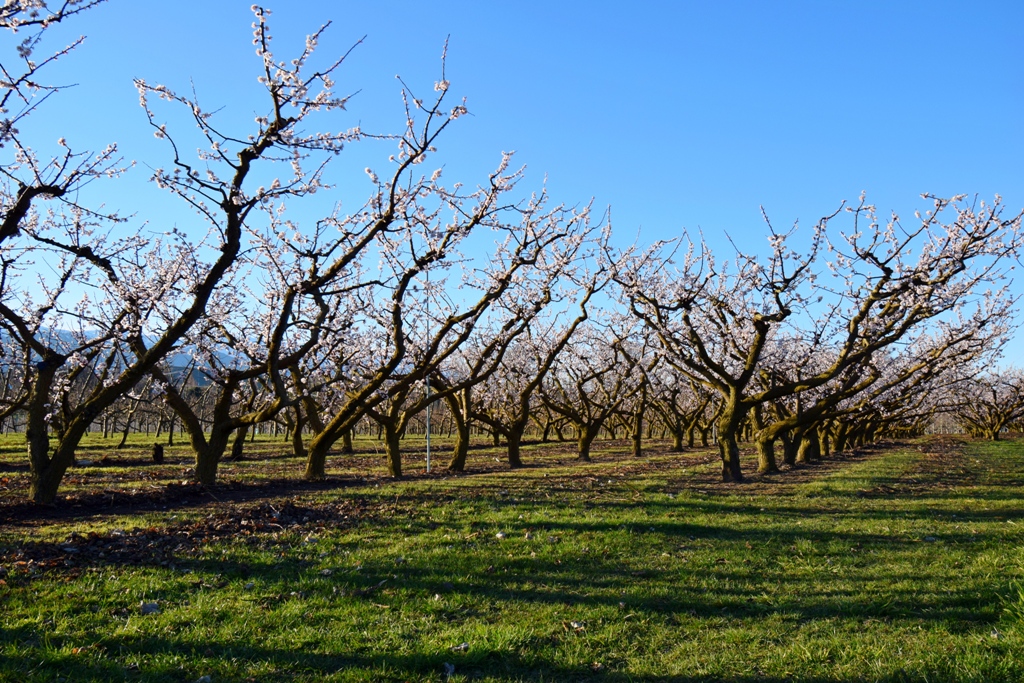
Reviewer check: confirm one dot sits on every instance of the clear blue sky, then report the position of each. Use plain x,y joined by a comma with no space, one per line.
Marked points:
677,114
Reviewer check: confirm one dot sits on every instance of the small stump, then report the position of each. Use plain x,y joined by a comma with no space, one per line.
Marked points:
158,453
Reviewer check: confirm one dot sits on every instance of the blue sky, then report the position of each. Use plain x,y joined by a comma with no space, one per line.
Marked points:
676,114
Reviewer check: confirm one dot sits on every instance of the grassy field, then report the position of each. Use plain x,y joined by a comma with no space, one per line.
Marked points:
890,565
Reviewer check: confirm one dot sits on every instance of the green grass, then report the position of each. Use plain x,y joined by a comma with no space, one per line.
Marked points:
904,565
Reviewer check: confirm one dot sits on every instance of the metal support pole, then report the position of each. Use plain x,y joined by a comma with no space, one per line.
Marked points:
427,378
428,425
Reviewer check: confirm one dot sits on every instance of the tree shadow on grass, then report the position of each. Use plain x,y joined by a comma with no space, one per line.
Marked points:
570,579
171,497
132,659
732,585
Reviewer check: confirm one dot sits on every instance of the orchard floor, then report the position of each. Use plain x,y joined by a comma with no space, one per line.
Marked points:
890,564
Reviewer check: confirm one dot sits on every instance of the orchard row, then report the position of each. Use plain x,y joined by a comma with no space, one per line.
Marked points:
266,312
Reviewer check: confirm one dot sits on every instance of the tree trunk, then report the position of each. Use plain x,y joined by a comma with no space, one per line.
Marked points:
677,441
583,443
44,485
46,472
559,434
789,455
766,456
461,450
45,480
208,458
729,449
393,448
839,439
870,432
638,430
730,422
346,442
238,445
788,444
515,438
316,459
809,447
206,467
124,434
298,447
457,419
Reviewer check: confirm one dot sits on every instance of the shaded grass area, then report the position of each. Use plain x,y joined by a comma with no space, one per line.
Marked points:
898,565
109,481
266,462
